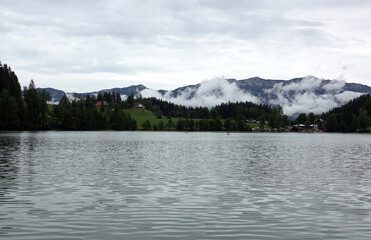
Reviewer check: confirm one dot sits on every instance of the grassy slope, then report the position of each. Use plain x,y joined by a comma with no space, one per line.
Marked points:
141,115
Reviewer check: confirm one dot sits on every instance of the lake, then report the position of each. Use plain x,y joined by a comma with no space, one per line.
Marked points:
167,185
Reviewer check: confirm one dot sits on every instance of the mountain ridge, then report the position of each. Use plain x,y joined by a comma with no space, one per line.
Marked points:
305,94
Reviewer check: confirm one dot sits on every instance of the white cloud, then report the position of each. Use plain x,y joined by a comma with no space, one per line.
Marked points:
305,99
309,102
208,94
307,84
183,42
305,96
334,85
346,96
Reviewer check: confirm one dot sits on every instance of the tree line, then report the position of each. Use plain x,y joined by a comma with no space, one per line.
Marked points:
12,112
28,110
83,115
354,116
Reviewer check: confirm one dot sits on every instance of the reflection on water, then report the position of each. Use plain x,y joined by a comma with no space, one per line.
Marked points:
9,147
147,185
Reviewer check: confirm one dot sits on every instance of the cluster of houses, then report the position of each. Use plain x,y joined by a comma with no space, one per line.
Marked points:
317,126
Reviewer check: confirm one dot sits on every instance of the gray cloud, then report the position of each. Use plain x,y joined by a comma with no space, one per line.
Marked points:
294,98
201,38
306,99
135,20
208,94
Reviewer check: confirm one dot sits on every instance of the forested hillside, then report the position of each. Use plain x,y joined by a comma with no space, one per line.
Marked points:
355,116
28,110
12,113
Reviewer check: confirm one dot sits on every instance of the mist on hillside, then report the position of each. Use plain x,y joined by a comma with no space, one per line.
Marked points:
294,98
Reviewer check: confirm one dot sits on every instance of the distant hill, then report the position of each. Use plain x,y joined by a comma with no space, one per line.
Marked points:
305,94
122,91
55,94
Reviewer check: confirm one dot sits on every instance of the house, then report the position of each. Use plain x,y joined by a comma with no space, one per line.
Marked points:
320,123
299,128
317,126
100,103
138,105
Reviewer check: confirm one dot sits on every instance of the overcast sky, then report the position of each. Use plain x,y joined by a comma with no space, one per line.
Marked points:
87,45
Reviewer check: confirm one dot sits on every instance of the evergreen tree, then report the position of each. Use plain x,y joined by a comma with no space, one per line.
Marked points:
354,125
228,124
363,121
331,123
356,115
118,98
170,124
180,125
146,125
311,118
130,100
31,98
161,125
302,118
11,103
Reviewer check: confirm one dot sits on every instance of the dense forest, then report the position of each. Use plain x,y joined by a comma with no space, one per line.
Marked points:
226,116
12,112
354,116
27,109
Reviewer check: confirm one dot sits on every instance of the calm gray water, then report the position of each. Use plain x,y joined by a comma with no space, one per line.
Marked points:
158,185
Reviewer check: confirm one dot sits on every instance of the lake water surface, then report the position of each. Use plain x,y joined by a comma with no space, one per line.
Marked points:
167,185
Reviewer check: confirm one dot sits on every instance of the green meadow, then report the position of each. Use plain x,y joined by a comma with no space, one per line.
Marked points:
141,115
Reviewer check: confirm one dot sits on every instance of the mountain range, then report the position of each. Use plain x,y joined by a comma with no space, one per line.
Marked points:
305,94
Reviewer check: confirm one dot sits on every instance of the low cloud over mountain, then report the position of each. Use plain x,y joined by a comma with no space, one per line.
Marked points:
208,94
308,94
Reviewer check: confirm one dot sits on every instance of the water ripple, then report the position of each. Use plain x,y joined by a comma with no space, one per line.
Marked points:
147,185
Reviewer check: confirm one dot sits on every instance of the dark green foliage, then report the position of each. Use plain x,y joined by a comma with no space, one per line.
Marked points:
11,104
228,124
170,124
363,119
9,110
31,98
146,125
215,125
161,107
203,125
275,119
331,123
161,126
130,100
311,118
180,125
243,110
191,125
302,118
351,117
31,111
211,120
121,121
